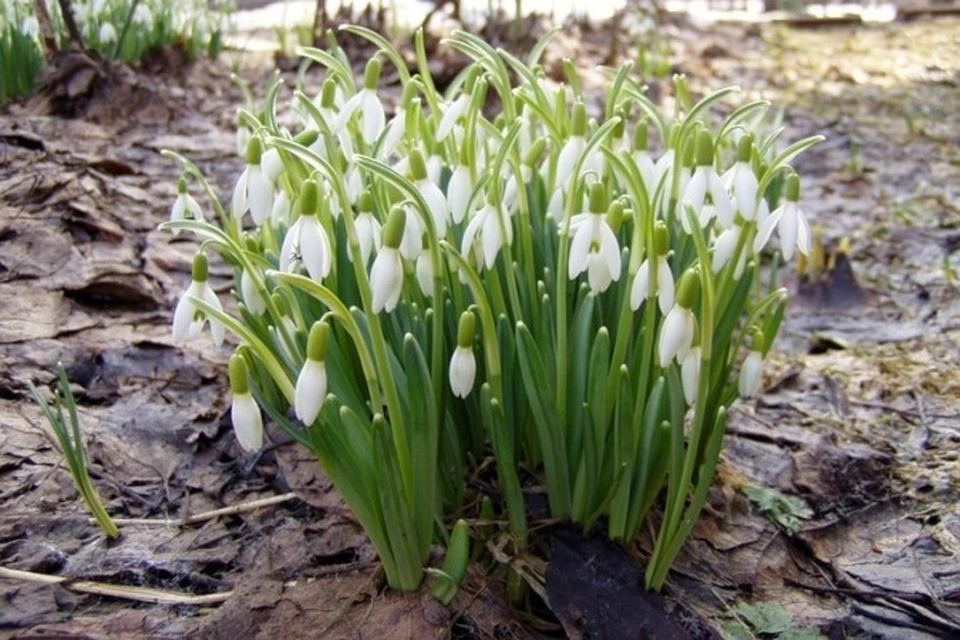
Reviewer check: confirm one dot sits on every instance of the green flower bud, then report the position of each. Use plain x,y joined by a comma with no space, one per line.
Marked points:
641,136
688,288
239,375
328,94
307,138
579,125
661,239
598,198
181,185
371,75
254,150
201,267
317,341
793,187
418,166
466,329
704,149
620,128
745,148
532,158
409,93
309,197
393,230
365,201
689,152
615,215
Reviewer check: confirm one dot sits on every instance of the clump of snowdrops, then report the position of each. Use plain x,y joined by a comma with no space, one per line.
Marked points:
580,292
120,29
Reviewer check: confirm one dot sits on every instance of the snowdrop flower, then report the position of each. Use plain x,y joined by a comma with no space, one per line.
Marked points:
184,206
458,108
458,192
280,211
751,373
425,273
326,103
595,247
725,246
243,137
386,275
790,221
251,294
107,33
463,364
368,103
311,389
253,191
572,148
511,192
741,181
306,240
705,182
665,285
690,374
142,15
30,27
431,193
677,332
397,126
188,321
435,165
244,412
411,246
641,157
662,166
482,239
368,227
272,164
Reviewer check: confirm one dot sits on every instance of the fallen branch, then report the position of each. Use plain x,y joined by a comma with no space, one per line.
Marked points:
139,594
208,515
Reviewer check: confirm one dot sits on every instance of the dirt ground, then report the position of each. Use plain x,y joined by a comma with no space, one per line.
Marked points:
860,417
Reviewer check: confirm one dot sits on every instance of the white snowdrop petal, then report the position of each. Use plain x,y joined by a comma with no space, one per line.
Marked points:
579,248
751,375
665,285
425,274
260,193
765,229
641,286
239,203
373,117
458,193
247,422
690,375
310,392
251,295
463,371
788,228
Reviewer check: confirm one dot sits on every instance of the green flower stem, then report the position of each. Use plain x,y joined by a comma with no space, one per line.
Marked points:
266,356
562,267
341,313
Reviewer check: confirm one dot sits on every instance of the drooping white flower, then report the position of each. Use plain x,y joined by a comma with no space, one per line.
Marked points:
463,364
573,147
705,182
107,33
436,202
271,164
368,232
790,221
30,27
143,16
463,371
595,245
311,389
751,374
482,239
457,109
690,374
253,191
188,320
244,411
741,181
366,101
665,285
434,168
411,246
280,212
458,193
724,247
425,274
679,327
185,206
386,275
306,241
251,294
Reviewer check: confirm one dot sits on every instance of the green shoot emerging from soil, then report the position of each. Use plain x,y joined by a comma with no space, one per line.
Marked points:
70,439
580,292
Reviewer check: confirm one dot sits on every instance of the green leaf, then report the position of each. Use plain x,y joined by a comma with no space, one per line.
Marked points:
785,510
766,617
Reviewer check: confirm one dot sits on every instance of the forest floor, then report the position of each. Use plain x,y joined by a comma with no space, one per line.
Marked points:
860,417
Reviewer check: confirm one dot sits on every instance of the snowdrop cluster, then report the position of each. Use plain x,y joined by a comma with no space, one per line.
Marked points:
579,291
